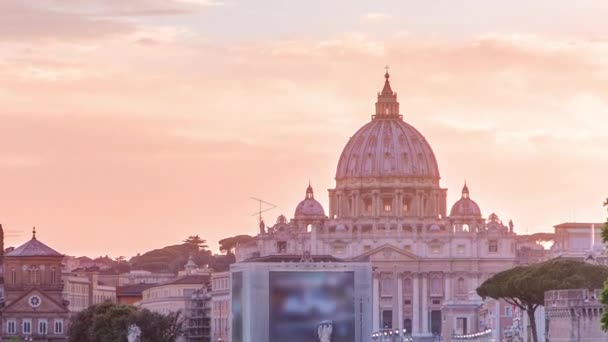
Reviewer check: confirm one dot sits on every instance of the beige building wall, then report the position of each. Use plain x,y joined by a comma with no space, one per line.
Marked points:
220,306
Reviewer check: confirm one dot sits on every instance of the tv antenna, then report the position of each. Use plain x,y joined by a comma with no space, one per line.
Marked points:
12,232
268,205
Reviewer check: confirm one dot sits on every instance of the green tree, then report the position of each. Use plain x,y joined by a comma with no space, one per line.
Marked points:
228,245
196,240
110,322
604,295
525,286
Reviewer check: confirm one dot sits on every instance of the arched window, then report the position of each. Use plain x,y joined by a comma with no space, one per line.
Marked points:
406,204
53,275
367,204
309,228
387,204
33,273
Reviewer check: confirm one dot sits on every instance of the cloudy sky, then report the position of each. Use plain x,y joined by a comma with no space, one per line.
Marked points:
129,125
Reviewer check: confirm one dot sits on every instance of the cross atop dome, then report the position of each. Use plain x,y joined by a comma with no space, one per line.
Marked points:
387,106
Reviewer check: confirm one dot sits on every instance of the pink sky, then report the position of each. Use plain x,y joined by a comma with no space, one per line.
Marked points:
127,126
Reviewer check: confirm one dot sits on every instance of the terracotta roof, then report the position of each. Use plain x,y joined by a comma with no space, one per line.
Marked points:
33,248
132,290
188,279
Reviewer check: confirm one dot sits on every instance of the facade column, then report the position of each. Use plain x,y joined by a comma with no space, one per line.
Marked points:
355,203
399,301
331,204
339,206
415,305
447,288
376,303
425,304
376,205
399,203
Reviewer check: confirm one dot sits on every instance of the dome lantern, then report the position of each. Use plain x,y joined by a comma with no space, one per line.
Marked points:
387,106
465,191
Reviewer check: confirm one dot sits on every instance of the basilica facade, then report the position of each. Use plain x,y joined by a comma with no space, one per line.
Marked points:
389,208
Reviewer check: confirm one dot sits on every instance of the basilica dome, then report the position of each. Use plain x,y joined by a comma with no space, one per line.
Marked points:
387,146
309,207
465,206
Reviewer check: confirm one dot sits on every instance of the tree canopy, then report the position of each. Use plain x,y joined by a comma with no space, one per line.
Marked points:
228,245
525,286
110,322
197,241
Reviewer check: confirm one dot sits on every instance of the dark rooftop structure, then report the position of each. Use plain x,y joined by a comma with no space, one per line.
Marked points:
296,258
33,248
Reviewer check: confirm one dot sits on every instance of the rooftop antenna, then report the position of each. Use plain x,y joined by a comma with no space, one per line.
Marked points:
13,233
269,206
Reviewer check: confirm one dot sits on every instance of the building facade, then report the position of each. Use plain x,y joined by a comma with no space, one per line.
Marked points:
83,289
172,296
34,306
574,315
388,207
220,306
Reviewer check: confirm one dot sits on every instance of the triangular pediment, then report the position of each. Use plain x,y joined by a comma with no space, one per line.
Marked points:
39,305
388,252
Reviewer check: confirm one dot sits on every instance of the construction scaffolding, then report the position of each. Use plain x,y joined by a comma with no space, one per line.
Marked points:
198,317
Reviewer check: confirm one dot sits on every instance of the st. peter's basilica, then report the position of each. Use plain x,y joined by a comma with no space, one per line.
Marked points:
388,207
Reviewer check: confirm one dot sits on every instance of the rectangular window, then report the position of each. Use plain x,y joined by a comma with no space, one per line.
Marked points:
460,249
435,249
508,311
42,326
282,247
27,326
13,276
58,327
461,326
386,286
367,203
493,246
11,327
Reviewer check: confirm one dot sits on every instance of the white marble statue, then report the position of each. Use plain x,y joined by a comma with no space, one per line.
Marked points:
134,333
324,330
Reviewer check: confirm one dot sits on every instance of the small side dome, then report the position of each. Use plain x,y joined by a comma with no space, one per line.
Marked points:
281,219
465,206
309,207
